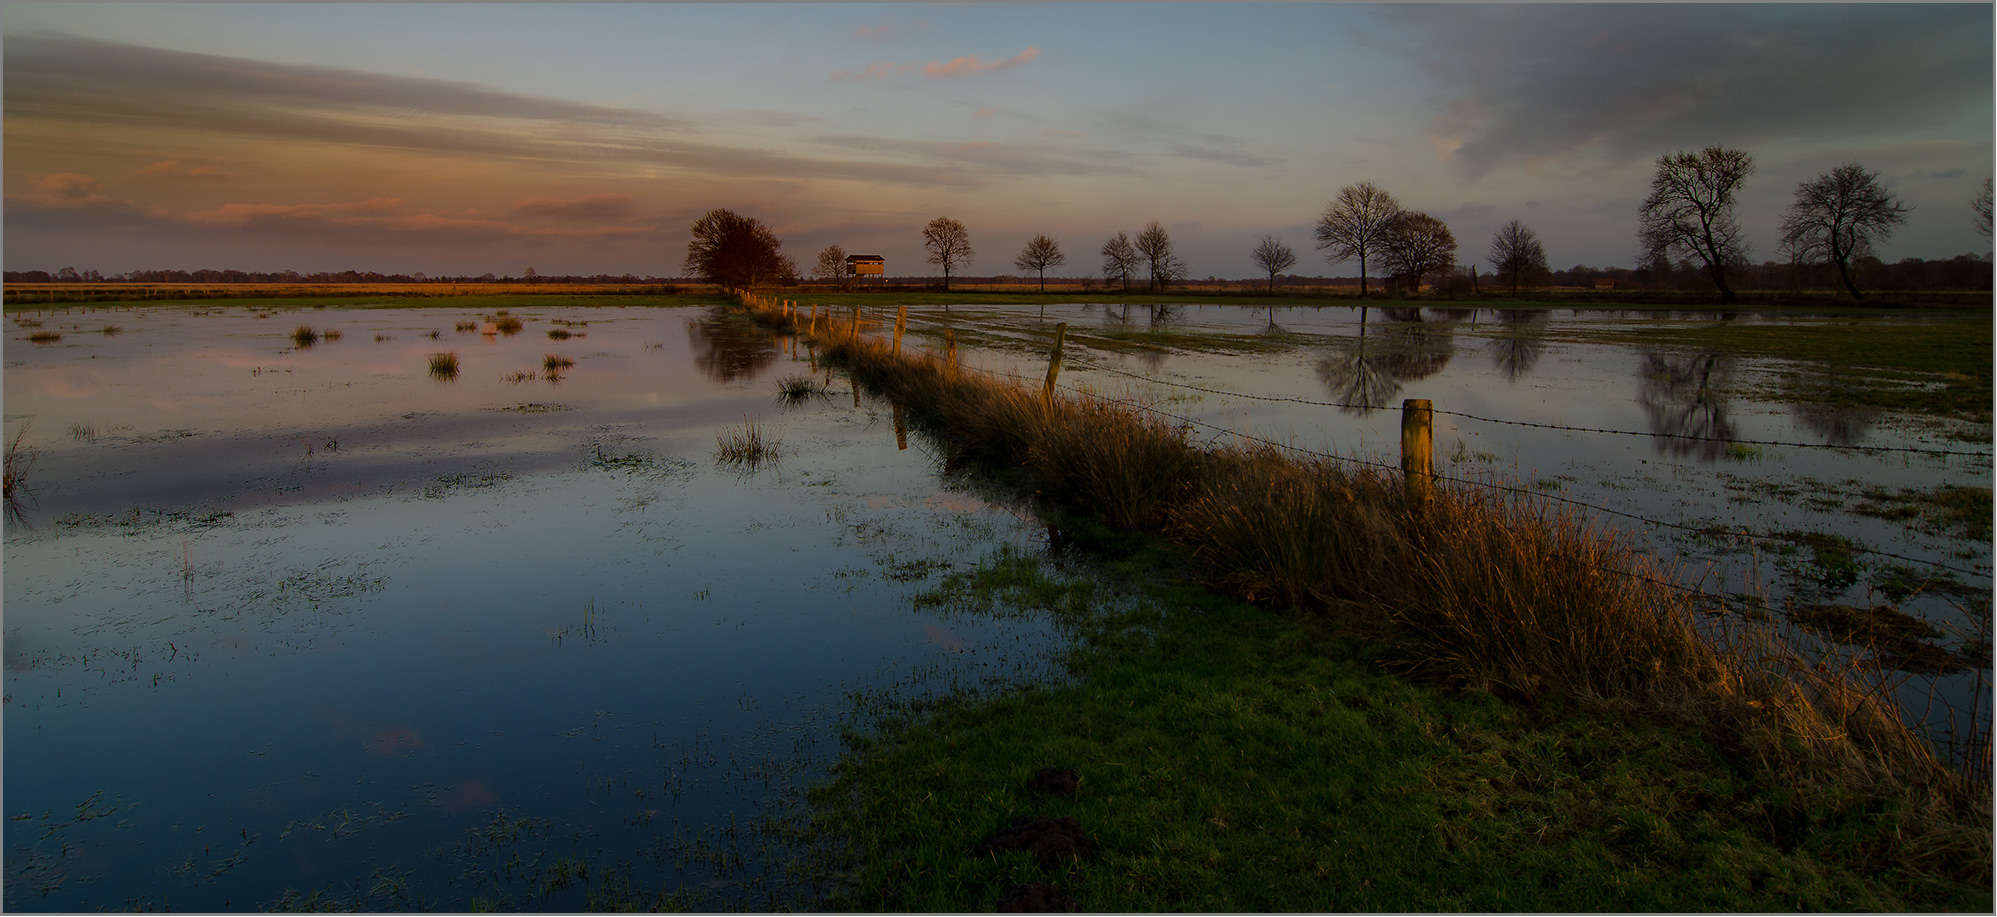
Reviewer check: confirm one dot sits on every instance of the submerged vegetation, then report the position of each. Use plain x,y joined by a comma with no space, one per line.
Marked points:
1505,597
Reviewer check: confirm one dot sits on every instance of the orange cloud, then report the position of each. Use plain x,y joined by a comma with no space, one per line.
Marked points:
70,185
172,168
588,207
878,70
969,64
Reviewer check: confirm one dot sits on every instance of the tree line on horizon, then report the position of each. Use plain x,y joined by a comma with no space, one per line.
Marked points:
1688,235
1688,222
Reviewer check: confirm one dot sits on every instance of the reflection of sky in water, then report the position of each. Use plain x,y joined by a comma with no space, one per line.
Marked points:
438,603
463,611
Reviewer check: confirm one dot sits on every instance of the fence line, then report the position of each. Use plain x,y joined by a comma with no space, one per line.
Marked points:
1510,489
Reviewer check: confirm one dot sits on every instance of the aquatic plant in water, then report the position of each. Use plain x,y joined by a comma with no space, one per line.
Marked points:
304,336
444,367
746,446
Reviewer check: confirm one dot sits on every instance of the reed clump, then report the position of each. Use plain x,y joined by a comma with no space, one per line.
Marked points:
304,336
45,337
331,334
444,366
747,446
1505,593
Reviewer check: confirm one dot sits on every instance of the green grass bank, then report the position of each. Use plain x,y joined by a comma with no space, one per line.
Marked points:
1473,704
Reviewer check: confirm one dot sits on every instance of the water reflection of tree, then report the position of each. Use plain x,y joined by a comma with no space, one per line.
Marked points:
1685,396
727,351
1839,424
1362,373
1516,347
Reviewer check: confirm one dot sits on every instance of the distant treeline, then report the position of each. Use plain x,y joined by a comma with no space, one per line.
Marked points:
72,275
1962,272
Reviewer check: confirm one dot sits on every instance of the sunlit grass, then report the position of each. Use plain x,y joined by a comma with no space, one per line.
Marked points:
45,337
795,390
468,326
331,334
1505,594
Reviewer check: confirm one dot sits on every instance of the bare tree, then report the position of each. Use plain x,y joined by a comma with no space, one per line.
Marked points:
1690,211
1838,215
1040,254
1517,254
1273,256
832,265
1981,204
1154,245
735,251
949,245
1120,259
1417,245
1354,225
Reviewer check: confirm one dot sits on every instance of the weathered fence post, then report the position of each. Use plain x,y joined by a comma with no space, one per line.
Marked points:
1054,364
856,326
900,323
1418,450
814,320
950,342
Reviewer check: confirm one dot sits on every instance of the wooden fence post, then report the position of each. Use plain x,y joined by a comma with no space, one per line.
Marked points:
856,326
1418,450
1054,364
900,323
950,342
900,429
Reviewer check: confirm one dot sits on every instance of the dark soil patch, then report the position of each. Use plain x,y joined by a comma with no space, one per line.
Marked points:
1050,840
1035,898
1054,781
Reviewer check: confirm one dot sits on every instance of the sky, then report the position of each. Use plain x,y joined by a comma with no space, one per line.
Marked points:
464,138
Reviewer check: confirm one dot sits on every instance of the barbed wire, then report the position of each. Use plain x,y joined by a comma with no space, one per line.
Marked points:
1510,489
1546,426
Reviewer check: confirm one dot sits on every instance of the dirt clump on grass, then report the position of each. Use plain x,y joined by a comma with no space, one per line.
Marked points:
1050,840
1054,781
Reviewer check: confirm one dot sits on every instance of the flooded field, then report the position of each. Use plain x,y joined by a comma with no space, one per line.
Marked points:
333,615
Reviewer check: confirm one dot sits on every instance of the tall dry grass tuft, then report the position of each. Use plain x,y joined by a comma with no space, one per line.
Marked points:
1303,534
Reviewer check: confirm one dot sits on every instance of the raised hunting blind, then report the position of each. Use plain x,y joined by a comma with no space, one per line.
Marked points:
863,265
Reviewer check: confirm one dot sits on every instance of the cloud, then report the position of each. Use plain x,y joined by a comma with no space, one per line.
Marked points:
878,70
986,157
594,207
1224,150
969,64
69,185
1619,84
78,83
173,168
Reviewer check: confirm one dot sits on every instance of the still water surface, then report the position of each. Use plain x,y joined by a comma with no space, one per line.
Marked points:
283,619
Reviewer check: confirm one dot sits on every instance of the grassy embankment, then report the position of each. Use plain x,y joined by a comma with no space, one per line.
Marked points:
1482,704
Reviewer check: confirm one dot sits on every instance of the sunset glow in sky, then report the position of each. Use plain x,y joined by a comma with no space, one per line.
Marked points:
585,138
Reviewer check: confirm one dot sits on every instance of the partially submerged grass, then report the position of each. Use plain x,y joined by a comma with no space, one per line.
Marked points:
554,363
746,446
558,334
506,324
111,330
795,390
1235,758
14,486
468,326
1503,595
303,336
331,334
444,366
45,337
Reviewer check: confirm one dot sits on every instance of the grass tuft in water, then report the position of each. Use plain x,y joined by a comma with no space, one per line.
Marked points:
558,334
555,363
795,390
304,336
111,330
14,487
45,337
746,446
444,366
